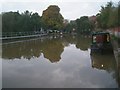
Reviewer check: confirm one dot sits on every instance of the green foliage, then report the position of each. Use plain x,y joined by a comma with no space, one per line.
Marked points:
10,21
52,19
113,21
108,16
16,22
119,14
70,27
84,25
36,21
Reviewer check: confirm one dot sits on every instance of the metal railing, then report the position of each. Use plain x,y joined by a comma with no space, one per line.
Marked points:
10,35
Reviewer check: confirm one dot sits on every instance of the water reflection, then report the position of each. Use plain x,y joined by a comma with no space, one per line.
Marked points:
51,48
83,42
105,62
33,64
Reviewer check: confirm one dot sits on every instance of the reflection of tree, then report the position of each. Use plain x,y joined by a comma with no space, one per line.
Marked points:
105,62
25,49
52,49
69,39
83,42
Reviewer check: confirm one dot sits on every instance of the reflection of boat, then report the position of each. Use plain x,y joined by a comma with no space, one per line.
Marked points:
105,62
101,42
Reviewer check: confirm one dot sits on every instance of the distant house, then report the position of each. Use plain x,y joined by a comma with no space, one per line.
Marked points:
65,22
116,31
93,18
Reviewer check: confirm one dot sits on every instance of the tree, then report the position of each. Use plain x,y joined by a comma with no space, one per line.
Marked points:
16,22
105,14
84,25
109,16
25,22
51,18
70,27
35,21
113,20
10,21
119,14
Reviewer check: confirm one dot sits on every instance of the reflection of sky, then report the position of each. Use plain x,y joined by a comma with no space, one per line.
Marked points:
73,70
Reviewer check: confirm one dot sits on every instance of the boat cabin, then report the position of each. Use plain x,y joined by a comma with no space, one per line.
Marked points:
101,42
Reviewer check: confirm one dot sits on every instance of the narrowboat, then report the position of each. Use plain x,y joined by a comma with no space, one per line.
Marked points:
101,42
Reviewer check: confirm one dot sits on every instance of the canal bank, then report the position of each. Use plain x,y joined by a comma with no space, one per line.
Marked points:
116,49
115,36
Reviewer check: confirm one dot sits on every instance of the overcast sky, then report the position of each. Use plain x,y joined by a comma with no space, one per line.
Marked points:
70,9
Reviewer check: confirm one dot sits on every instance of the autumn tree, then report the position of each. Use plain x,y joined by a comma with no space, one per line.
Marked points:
52,19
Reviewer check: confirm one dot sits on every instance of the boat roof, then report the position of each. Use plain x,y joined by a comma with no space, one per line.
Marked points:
99,33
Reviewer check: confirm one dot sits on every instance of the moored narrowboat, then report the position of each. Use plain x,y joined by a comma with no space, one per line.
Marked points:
101,42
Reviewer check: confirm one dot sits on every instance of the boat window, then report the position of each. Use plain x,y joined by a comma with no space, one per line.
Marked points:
108,38
101,38
94,39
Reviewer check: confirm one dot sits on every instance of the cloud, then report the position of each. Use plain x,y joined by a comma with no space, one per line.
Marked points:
58,1
70,9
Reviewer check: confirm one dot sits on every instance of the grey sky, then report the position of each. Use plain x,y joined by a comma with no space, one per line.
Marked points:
70,9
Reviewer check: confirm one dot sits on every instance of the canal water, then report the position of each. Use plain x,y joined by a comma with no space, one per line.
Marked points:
56,62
